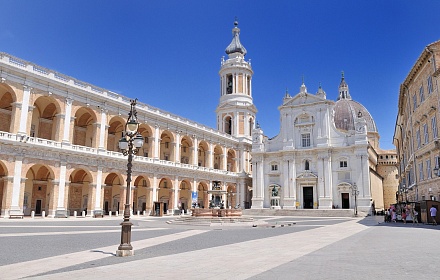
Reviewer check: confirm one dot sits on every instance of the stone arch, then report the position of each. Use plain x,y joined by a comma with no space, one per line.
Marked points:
39,191
251,125
147,133
186,145
203,197
185,191
115,132
167,145
165,194
45,122
80,192
203,152
114,184
218,157
228,124
231,161
142,199
84,128
7,110
231,196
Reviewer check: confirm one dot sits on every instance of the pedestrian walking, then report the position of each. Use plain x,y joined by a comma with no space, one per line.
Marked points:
387,215
433,212
415,216
404,215
393,215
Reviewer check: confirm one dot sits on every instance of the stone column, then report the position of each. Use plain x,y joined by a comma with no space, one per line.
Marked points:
91,199
103,130
122,192
288,200
98,189
7,195
156,142
24,110
195,151
177,148
210,156
61,210
155,188
67,120
258,183
18,188
176,192
225,158
53,197
326,190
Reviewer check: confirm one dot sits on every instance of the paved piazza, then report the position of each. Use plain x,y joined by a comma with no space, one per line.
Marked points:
284,248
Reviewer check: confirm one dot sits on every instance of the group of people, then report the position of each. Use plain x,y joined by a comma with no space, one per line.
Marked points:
408,214
405,212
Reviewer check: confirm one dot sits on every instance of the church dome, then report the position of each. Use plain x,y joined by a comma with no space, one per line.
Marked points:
235,46
347,110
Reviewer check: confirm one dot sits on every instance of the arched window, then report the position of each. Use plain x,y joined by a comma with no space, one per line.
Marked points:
251,126
228,125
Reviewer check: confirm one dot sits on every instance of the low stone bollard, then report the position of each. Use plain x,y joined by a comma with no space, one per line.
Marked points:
75,213
110,214
138,212
33,214
117,214
43,214
144,213
83,214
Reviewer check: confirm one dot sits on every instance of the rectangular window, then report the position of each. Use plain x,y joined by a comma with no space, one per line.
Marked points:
421,171
343,163
421,94
429,85
434,128
305,140
274,167
167,145
414,102
425,132
428,169
418,138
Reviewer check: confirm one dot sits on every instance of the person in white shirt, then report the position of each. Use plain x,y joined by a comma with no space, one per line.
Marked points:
433,212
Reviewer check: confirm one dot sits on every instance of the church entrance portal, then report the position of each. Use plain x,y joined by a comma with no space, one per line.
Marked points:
345,200
308,197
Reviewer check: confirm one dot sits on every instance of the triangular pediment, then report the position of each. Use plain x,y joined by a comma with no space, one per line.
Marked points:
307,175
301,99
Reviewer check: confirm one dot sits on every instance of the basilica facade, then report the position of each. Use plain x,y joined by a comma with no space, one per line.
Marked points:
326,156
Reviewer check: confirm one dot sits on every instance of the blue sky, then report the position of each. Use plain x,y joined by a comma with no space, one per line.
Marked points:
167,53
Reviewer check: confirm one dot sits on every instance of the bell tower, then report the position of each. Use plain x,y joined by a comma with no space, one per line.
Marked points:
236,111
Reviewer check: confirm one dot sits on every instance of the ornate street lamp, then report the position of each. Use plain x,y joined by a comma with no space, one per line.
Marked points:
436,171
129,145
355,192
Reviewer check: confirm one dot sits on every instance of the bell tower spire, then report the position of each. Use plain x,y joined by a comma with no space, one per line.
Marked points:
236,110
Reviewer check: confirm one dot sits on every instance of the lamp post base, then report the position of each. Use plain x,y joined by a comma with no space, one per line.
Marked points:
124,253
